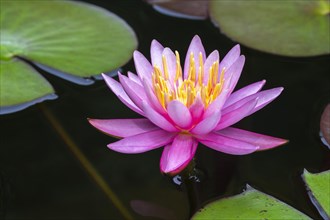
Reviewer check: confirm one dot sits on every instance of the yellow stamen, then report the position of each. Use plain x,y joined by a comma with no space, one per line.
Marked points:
187,90
165,67
178,67
200,76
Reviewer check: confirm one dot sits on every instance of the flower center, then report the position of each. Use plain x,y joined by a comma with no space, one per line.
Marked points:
169,87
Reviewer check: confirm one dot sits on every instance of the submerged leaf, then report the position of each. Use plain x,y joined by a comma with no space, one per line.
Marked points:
290,28
149,209
325,124
250,204
182,8
319,186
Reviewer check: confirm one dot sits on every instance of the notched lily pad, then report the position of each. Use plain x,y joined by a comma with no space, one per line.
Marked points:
250,204
290,28
319,191
71,37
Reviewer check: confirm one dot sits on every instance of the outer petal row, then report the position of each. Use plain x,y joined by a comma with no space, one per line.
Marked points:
123,127
264,98
117,88
244,92
142,142
236,115
227,145
263,141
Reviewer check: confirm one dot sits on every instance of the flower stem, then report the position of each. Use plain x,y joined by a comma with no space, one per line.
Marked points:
85,163
189,179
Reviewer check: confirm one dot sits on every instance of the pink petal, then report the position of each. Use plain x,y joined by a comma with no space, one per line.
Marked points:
142,142
117,88
176,156
179,113
263,141
264,98
207,124
244,92
157,118
134,78
142,66
195,47
213,57
171,62
123,127
233,73
236,115
197,109
230,58
134,91
227,145
156,51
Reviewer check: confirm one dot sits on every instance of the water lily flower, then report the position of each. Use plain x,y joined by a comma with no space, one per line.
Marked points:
184,107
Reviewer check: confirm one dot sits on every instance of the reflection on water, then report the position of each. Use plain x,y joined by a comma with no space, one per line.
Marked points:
15,108
47,181
75,79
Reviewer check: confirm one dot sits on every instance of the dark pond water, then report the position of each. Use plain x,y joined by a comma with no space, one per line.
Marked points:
40,178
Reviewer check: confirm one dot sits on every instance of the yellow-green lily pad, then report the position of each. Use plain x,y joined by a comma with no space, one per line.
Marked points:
290,28
319,190
250,204
71,37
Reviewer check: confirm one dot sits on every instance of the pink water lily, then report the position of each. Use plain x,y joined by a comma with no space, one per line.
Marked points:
184,107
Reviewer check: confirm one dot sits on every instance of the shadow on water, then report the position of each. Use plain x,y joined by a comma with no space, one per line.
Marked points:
42,179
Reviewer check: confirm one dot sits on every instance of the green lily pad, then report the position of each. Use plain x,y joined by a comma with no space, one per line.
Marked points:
71,37
290,28
319,186
21,83
250,204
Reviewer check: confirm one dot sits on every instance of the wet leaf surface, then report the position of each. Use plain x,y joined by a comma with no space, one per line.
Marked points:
290,28
250,204
21,83
319,186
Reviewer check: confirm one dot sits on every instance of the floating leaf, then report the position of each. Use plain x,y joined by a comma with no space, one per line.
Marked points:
182,8
291,28
21,83
250,204
71,37
319,186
